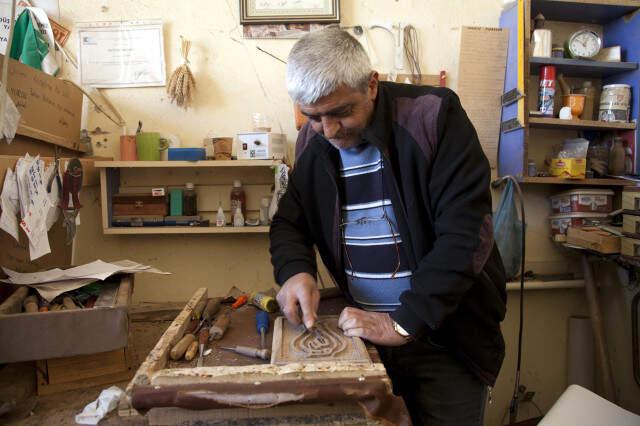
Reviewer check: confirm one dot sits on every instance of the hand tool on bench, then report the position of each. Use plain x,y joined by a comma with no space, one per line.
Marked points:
197,310
181,347
248,351
31,304
211,308
262,325
219,327
203,338
241,300
192,351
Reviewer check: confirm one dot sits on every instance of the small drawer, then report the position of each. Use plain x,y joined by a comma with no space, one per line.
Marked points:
630,247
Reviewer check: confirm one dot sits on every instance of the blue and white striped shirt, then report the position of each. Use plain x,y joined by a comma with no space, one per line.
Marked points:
374,258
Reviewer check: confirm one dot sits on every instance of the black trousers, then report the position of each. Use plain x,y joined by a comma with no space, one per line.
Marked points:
437,389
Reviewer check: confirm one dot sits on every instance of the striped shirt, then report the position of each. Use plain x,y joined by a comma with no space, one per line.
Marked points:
375,262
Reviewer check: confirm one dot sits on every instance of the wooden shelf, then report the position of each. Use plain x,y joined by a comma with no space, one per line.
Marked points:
581,67
556,123
592,182
150,230
587,11
187,164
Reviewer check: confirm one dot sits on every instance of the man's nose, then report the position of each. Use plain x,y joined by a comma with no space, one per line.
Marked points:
330,127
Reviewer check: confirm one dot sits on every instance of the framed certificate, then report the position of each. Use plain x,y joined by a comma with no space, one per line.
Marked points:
289,11
122,54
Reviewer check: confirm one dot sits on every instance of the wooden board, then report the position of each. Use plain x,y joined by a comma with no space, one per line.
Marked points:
50,108
483,60
62,374
327,343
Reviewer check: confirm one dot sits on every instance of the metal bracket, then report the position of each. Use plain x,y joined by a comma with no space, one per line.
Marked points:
511,125
511,96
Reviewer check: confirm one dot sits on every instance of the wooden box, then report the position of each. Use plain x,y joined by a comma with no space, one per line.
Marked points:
631,224
139,205
60,334
631,198
594,239
63,374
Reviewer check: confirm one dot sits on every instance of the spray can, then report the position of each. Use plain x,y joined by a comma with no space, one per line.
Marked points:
547,90
264,302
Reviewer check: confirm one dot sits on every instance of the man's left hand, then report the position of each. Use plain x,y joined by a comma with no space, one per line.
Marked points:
375,327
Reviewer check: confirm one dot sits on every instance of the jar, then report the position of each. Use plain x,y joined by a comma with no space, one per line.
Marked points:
614,103
617,157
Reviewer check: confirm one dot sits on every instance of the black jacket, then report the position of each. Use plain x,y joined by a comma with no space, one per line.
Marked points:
442,204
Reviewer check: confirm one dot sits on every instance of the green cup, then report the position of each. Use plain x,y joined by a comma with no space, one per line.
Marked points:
149,145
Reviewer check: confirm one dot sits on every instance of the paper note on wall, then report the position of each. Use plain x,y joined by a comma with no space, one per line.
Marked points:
9,203
481,73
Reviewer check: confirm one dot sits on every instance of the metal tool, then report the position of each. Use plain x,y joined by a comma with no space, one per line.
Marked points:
203,338
314,332
70,201
211,308
248,351
262,325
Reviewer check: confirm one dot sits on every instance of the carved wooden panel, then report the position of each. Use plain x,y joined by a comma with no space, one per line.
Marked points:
326,343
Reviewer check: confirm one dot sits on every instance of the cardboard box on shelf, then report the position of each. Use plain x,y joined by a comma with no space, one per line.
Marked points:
594,239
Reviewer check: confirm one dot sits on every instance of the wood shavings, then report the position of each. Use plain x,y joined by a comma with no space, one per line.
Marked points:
182,84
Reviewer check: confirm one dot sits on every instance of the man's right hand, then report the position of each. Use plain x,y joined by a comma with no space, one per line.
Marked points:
300,290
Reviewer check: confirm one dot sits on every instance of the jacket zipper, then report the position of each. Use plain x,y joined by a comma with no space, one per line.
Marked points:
336,213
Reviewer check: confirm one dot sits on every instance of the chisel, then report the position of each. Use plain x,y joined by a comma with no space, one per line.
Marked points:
262,325
203,338
181,347
212,308
252,352
219,327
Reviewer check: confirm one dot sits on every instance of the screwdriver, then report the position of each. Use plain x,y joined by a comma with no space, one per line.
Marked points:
262,325
252,352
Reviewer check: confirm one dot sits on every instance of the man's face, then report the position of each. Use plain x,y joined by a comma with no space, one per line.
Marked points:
342,115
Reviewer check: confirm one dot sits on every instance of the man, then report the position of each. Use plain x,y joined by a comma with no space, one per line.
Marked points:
391,184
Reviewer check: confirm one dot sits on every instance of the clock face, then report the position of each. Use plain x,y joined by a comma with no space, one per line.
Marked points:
585,44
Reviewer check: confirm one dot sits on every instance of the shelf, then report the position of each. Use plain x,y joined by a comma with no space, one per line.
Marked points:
586,11
556,123
150,230
592,182
187,164
545,285
581,67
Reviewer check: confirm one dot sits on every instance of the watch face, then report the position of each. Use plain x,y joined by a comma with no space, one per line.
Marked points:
585,44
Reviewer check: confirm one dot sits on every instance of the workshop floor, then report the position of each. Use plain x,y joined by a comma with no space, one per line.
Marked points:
60,409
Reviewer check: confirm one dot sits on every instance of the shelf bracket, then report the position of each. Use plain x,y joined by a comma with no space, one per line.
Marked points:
511,125
511,96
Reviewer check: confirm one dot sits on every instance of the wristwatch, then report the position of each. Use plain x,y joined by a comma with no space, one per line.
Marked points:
400,330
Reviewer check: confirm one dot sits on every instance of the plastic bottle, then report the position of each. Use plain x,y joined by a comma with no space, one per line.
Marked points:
189,201
238,199
221,219
616,157
238,217
265,202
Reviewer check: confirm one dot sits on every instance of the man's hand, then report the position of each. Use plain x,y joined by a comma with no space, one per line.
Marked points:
300,290
375,327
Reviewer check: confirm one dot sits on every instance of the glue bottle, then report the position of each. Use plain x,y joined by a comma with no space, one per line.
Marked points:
238,199
221,219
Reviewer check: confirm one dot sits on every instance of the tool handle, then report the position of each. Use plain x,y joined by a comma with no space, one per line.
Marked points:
253,352
192,351
219,327
191,328
181,347
203,336
241,300
212,307
13,304
68,303
262,322
31,304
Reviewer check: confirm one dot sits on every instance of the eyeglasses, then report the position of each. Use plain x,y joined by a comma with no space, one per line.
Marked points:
365,220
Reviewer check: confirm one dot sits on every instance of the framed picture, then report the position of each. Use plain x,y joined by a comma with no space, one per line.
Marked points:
289,11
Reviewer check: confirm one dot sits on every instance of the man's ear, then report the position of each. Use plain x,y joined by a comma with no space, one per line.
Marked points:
373,85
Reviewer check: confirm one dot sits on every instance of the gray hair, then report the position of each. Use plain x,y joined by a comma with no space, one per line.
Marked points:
323,60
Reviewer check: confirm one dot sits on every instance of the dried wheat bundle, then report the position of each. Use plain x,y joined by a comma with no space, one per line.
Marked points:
182,85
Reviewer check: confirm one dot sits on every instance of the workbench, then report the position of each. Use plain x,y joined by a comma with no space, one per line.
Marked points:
246,390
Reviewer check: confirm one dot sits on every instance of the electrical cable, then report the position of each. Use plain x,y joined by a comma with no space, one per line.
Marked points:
513,406
412,52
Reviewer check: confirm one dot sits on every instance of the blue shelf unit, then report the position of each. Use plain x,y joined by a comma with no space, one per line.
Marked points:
619,28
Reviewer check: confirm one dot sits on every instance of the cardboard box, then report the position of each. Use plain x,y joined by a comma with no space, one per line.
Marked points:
594,239
57,334
630,247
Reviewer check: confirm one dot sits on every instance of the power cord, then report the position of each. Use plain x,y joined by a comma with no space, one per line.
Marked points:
513,406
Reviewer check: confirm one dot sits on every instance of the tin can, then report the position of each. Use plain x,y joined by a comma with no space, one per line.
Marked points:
547,90
614,103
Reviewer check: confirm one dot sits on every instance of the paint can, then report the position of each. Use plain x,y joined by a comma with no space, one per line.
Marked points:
614,103
547,90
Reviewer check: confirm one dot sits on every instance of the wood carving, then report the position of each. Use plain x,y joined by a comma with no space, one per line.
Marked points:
326,343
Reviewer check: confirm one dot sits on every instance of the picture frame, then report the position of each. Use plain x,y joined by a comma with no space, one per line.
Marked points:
289,11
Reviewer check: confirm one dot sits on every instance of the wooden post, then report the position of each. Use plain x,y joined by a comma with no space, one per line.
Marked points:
600,342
